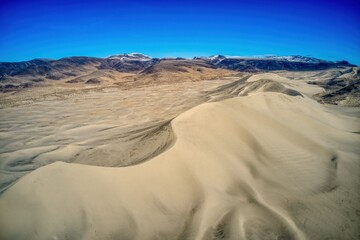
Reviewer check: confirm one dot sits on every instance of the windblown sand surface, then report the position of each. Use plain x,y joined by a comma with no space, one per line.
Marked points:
268,163
105,127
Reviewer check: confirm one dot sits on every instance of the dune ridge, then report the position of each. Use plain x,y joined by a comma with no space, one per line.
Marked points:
136,145
270,165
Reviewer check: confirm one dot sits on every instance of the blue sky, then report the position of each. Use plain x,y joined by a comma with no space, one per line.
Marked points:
55,29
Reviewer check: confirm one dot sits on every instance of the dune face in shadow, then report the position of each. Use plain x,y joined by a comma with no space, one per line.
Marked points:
103,127
272,164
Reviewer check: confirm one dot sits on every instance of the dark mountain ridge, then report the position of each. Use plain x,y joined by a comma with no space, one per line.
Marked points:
136,62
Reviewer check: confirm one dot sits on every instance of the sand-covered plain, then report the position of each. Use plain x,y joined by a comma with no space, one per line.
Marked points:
260,160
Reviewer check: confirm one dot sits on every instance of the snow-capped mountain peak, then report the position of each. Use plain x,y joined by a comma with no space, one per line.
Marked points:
130,57
297,58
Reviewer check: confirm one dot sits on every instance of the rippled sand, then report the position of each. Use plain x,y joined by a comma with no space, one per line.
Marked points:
268,163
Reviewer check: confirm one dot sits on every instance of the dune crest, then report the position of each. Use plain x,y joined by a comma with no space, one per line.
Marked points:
265,166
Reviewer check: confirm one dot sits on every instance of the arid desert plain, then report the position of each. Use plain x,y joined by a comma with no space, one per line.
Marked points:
181,153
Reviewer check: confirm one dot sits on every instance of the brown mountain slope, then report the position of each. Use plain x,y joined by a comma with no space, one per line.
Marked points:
172,70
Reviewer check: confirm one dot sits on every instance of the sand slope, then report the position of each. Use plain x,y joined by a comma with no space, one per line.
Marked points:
104,126
265,166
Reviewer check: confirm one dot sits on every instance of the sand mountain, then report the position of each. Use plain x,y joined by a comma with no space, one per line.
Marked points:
247,158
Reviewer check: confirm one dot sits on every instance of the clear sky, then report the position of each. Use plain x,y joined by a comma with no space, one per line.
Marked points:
53,29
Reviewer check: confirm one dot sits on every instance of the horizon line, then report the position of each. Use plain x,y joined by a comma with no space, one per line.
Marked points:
185,57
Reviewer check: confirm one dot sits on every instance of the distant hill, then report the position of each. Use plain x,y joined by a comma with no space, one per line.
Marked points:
273,63
137,62
129,70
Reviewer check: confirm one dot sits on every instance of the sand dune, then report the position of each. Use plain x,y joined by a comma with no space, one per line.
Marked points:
107,127
267,165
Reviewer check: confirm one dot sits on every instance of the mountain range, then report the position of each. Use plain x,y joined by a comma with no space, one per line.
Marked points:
137,62
136,69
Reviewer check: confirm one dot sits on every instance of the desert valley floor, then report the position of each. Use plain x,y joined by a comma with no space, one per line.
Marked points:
244,156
